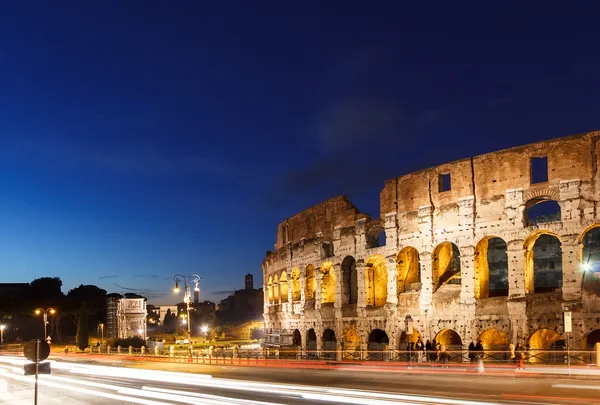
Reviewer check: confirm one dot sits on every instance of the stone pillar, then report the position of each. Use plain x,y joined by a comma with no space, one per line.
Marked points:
467,269
517,314
318,282
290,299
392,291
391,230
337,274
302,287
516,268
278,287
304,340
338,351
361,301
571,270
425,261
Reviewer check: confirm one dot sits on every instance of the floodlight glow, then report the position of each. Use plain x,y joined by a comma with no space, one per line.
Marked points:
586,267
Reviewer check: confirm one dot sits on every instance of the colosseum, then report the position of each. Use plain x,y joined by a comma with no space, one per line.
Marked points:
495,248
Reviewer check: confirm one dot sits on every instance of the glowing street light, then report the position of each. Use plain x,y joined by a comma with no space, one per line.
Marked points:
204,329
187,296
586,266
2,326
50,311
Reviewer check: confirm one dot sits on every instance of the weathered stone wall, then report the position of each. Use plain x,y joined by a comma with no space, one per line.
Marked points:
489,196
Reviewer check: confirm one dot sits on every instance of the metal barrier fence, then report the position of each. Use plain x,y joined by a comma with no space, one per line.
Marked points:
229,355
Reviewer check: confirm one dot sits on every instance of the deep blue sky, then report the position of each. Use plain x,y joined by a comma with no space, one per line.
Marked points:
140,139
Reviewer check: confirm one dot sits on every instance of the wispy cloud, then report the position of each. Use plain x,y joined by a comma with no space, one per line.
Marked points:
111,276
222,292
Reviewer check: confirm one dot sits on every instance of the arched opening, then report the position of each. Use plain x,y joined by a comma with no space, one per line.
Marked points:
407,270
311,339
297,339
310,283
491,268
406,339
590,259
590,340
543,263
351,340
276,289
296,288
450,339
376,237
376,280
378,344
446,265
283,287
349,281
495,344
270,289
547,346
329,344
327,283
541,210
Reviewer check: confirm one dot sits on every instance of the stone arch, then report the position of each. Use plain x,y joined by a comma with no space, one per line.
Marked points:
327,283
493,339
405,338
446,265
543,339
329,342
270,290
491,268
296,287
283,286
543,262
310,284
375,236
376,281
349,281
351,339
297,338
590,258
311,339
449,338
541,209
378,344
590,340
407,269
276,289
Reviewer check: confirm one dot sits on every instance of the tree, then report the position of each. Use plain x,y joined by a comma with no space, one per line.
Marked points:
47,291
170,322
82,328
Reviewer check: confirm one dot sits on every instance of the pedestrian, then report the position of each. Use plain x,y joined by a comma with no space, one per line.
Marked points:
520,354
434,349
428,350
479,351
420,348
444,356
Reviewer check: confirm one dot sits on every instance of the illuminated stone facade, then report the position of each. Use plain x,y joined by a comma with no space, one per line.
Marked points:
131,315
491,247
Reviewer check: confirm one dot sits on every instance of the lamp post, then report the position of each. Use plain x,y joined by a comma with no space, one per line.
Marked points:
101,325
2,333
50,311
187,297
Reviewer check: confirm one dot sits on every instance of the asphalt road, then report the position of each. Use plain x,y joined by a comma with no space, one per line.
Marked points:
76,383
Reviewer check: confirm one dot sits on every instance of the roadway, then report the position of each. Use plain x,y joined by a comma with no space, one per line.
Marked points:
134,382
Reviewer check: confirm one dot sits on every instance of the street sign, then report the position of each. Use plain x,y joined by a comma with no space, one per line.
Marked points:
568,322
29,350
43,368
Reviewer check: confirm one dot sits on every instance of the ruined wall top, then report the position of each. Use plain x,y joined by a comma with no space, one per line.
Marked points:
489,175
321,218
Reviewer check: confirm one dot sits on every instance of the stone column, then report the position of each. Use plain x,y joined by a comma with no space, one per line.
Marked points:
426,295
290,295
392,291
337,275
302,287
516,268
467,269
571,270
361,301
318,282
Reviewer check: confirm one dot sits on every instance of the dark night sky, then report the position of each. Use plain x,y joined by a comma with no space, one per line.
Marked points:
140,139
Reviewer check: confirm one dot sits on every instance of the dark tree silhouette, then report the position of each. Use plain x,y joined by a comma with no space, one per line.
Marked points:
82,337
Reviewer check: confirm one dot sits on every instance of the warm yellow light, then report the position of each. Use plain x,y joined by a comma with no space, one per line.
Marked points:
197,289
52,311
37,311
176,290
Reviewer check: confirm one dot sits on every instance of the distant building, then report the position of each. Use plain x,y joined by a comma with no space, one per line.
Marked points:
243,305
125,317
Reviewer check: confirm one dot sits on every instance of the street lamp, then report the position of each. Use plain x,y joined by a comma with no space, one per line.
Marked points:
50,311
187,280
2,333
101,325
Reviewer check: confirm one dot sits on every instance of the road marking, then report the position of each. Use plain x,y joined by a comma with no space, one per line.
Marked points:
583,387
